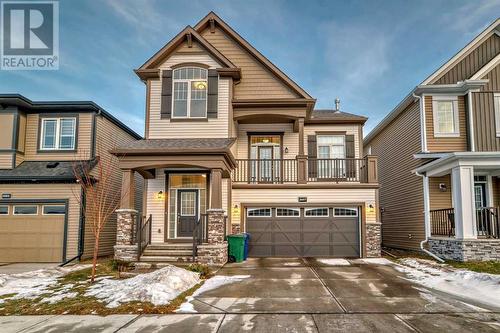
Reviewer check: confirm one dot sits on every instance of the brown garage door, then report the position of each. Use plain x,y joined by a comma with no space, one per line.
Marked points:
329,231
32,232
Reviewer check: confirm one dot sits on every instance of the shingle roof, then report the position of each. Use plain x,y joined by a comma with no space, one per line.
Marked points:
43,170
326,114
175,145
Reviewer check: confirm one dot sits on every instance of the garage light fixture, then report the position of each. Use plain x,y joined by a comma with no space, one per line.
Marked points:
160,195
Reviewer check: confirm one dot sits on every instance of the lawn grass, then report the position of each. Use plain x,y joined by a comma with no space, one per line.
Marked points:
491,267
82,304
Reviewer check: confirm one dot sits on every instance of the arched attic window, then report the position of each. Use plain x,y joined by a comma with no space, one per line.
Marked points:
189,92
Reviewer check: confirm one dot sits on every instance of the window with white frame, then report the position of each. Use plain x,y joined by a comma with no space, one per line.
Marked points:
445,114
189,93
286,212
338,212
316,212
26,210
497,114
54,210
4,210
58,134
259,212
331,147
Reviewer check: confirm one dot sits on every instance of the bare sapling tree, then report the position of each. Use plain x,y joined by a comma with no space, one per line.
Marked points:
100,192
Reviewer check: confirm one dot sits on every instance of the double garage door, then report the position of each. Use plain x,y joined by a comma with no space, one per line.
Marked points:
32,232
327,231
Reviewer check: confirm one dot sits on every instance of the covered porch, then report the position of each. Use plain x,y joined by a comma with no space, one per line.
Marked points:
186,199
462,199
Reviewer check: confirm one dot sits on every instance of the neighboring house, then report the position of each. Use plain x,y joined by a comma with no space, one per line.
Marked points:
439,155
41,207
229,134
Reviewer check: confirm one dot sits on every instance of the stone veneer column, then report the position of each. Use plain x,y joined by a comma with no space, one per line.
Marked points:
214,252
126,247
373,240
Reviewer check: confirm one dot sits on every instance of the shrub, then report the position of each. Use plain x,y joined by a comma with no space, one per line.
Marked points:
204,270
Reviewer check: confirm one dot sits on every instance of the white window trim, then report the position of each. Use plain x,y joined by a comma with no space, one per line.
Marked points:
8,209
285,216
496,105
317,216
250,209
58,133
43,208
330,146
14,210
347,208
456,120
188,102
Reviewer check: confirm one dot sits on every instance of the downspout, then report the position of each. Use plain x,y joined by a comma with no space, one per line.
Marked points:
423,132
427,222
81,233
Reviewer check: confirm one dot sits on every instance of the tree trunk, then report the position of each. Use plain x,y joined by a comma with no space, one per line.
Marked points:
94,259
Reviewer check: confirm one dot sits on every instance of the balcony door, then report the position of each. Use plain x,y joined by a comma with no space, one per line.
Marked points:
265,155
331,155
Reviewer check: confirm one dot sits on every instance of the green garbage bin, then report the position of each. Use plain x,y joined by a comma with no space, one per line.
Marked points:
236,247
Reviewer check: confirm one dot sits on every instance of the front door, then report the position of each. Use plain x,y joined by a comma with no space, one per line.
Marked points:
482,216
187,212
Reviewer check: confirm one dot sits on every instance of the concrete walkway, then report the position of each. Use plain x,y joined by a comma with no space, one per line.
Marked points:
295,295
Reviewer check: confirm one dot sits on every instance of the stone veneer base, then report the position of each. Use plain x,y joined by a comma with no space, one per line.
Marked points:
465,249
212,254
373,240
126,253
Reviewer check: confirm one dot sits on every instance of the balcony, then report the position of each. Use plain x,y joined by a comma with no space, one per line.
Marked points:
305,170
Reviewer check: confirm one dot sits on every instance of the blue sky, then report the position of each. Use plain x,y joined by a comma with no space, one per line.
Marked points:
368,53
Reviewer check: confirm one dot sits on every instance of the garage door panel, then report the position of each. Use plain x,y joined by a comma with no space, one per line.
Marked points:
331,236
31,238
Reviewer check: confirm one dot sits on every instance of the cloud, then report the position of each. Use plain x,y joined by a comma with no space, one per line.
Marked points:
469,18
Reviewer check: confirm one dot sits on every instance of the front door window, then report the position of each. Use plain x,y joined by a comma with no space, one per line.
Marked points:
265,159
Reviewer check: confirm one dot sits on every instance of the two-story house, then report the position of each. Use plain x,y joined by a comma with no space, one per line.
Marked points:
233,144
439,154
42,208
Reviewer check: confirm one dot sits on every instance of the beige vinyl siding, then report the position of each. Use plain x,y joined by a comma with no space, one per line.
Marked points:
83,141
483,106
19,158
471,63
440,199
257,82
156,207
53,191
6,130
108,136
349,129
290,139
195,48
314,196
401,191
445,144
22,133
211,128
496,191
176,59
6,160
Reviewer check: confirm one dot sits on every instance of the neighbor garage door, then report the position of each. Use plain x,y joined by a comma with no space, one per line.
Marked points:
32,232
329,231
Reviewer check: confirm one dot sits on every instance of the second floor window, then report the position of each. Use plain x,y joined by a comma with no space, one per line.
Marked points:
58,134
189,93
445,112
331,146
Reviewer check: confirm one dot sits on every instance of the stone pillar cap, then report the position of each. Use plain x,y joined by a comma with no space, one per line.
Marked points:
126,210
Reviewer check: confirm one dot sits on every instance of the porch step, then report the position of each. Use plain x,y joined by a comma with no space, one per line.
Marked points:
170,252
170,246
169,259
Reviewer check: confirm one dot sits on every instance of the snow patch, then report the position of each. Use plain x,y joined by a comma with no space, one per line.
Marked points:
480,287
210,284
31,285
334,262
158,287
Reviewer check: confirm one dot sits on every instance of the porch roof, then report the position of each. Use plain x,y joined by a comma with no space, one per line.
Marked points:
443,165
333,116
175,146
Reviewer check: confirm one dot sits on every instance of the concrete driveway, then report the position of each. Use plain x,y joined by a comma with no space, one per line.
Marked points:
295,295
